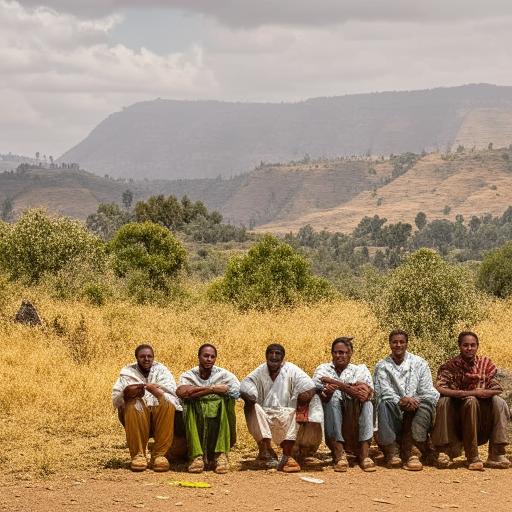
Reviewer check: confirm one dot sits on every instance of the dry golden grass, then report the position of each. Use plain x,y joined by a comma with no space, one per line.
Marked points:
55,409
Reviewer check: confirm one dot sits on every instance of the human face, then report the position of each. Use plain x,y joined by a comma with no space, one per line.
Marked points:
207,358
398,345
341,355
274,360
145,359
468,347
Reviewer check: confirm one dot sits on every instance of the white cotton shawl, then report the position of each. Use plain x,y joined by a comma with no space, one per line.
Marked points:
283,391
158,374
218,376
350,375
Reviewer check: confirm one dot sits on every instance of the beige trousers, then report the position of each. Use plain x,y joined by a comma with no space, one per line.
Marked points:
141,421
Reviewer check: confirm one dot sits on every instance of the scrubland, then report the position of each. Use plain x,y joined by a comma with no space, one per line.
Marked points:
55,408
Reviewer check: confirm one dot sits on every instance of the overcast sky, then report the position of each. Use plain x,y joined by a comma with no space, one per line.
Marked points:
67,64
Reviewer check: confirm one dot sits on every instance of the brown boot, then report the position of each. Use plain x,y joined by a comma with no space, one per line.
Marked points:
160,464
139,463
339,459
393,460
413,464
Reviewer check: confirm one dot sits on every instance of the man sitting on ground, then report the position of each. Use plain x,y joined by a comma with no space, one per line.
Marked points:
470,412
345,390
145,397
277,394
406,403
208,394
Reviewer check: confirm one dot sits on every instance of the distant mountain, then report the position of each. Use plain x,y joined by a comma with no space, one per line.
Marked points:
327,194
169,139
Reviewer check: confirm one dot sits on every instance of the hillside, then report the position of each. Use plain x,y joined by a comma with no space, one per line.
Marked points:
331,194
442,186
169,139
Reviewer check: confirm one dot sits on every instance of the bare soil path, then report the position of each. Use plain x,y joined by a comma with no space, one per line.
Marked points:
385,490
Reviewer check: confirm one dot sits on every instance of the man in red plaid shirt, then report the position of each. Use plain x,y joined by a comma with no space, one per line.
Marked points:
470,411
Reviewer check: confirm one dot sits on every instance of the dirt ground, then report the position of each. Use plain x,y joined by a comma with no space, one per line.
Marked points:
262,490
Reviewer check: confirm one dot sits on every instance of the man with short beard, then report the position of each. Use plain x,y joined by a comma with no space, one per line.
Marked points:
145,397
406,403
470,411
277,395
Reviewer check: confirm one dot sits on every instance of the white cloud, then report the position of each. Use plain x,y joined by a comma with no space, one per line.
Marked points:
250,13
61,75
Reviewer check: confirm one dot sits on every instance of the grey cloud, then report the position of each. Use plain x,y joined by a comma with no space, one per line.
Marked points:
251,13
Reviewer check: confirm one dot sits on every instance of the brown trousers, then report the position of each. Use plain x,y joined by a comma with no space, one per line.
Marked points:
470,422
140,421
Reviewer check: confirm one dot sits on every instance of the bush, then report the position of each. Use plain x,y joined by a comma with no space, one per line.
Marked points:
272,274
40,244
148,248
429,298
495,273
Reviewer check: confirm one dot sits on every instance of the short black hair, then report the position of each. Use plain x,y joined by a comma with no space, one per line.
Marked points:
142,347
346,340
275,347
398,332
463,334
205,345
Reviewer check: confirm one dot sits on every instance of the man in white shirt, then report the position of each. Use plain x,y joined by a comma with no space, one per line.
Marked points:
406,403
277,394
346,390
145,397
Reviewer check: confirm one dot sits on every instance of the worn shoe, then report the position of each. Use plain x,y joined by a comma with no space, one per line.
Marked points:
266,456
368,465
442,460
221,464
196,465
413,464
497,462
288,464
139,463
160,464
341,463
393,459
475,465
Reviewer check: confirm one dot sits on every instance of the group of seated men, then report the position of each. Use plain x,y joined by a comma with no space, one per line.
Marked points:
412,420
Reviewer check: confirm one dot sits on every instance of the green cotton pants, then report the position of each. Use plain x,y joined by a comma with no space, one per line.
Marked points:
210,425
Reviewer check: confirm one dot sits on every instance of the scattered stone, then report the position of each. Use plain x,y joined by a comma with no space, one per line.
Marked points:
27,314
178,504
381,500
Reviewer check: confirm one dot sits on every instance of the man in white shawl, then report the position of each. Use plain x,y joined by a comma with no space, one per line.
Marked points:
278,396
406,404
208,394
346,390
145,397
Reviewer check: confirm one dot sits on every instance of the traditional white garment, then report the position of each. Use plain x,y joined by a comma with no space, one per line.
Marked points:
273,415
218,376
411,378
350,375
158,374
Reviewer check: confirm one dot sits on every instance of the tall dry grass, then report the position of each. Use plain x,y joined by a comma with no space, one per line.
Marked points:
55,409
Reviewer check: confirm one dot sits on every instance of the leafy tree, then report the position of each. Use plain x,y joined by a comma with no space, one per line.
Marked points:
369,228
107,220
148,248
495,272
127,198
429,298
6,210
40,244
396,235
272,274
420,220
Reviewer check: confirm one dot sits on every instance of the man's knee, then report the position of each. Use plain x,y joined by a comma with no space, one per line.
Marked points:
499,404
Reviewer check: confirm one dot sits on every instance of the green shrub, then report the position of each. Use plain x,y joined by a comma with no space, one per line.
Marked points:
495,273
41,244
272,274
429,298
149,248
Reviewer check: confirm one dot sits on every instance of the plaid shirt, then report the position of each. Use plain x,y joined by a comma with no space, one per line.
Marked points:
456,373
